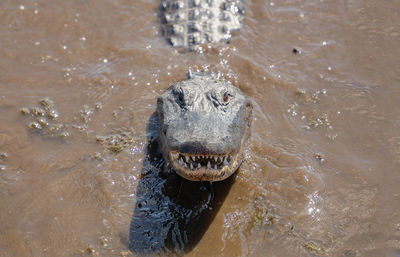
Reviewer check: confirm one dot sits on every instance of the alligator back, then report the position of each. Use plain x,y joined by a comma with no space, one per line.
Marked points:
188,24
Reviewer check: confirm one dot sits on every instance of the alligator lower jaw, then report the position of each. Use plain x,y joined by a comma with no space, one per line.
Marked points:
204,167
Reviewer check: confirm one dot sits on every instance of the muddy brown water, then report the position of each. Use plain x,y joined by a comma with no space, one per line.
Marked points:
321,176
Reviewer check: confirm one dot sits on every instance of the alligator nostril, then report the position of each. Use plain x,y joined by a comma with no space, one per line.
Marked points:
249,105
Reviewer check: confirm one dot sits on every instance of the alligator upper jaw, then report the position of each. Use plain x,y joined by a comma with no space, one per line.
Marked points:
204,167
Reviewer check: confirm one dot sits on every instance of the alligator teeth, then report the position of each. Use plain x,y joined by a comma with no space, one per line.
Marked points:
198,161
226,162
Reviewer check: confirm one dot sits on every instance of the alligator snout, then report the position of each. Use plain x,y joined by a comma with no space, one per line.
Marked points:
204,147
194,134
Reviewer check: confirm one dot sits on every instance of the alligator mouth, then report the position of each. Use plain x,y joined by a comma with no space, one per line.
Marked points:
204,167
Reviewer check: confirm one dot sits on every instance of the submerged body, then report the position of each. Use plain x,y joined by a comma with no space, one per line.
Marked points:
204,125
188,24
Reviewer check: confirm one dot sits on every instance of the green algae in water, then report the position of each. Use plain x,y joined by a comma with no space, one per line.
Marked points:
120,139
300,92
98,106
25,111
90,249
42,121
64,134
35,125
55,127
115,148
321,120
97,156
100,139
319,157
46,116
52,114
312,246
46,103
262,215
3,155
124,253
37,111
85,113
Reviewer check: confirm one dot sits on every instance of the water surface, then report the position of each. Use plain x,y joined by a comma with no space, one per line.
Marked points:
321,177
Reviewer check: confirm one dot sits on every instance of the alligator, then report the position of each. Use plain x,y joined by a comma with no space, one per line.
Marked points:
204,126
189,24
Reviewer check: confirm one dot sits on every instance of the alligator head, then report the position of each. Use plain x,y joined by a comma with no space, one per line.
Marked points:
204,125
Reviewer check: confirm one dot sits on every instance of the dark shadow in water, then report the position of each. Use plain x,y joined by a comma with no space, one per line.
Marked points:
171,214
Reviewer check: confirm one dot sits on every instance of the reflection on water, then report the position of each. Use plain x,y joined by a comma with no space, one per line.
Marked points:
82,175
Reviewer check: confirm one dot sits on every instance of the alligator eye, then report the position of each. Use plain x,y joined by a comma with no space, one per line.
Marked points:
220,97
226,97
181,96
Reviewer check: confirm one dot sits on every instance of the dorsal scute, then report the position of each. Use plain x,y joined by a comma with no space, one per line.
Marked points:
188,24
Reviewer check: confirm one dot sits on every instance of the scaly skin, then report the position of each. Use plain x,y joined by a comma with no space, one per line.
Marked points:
188,24
204,125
